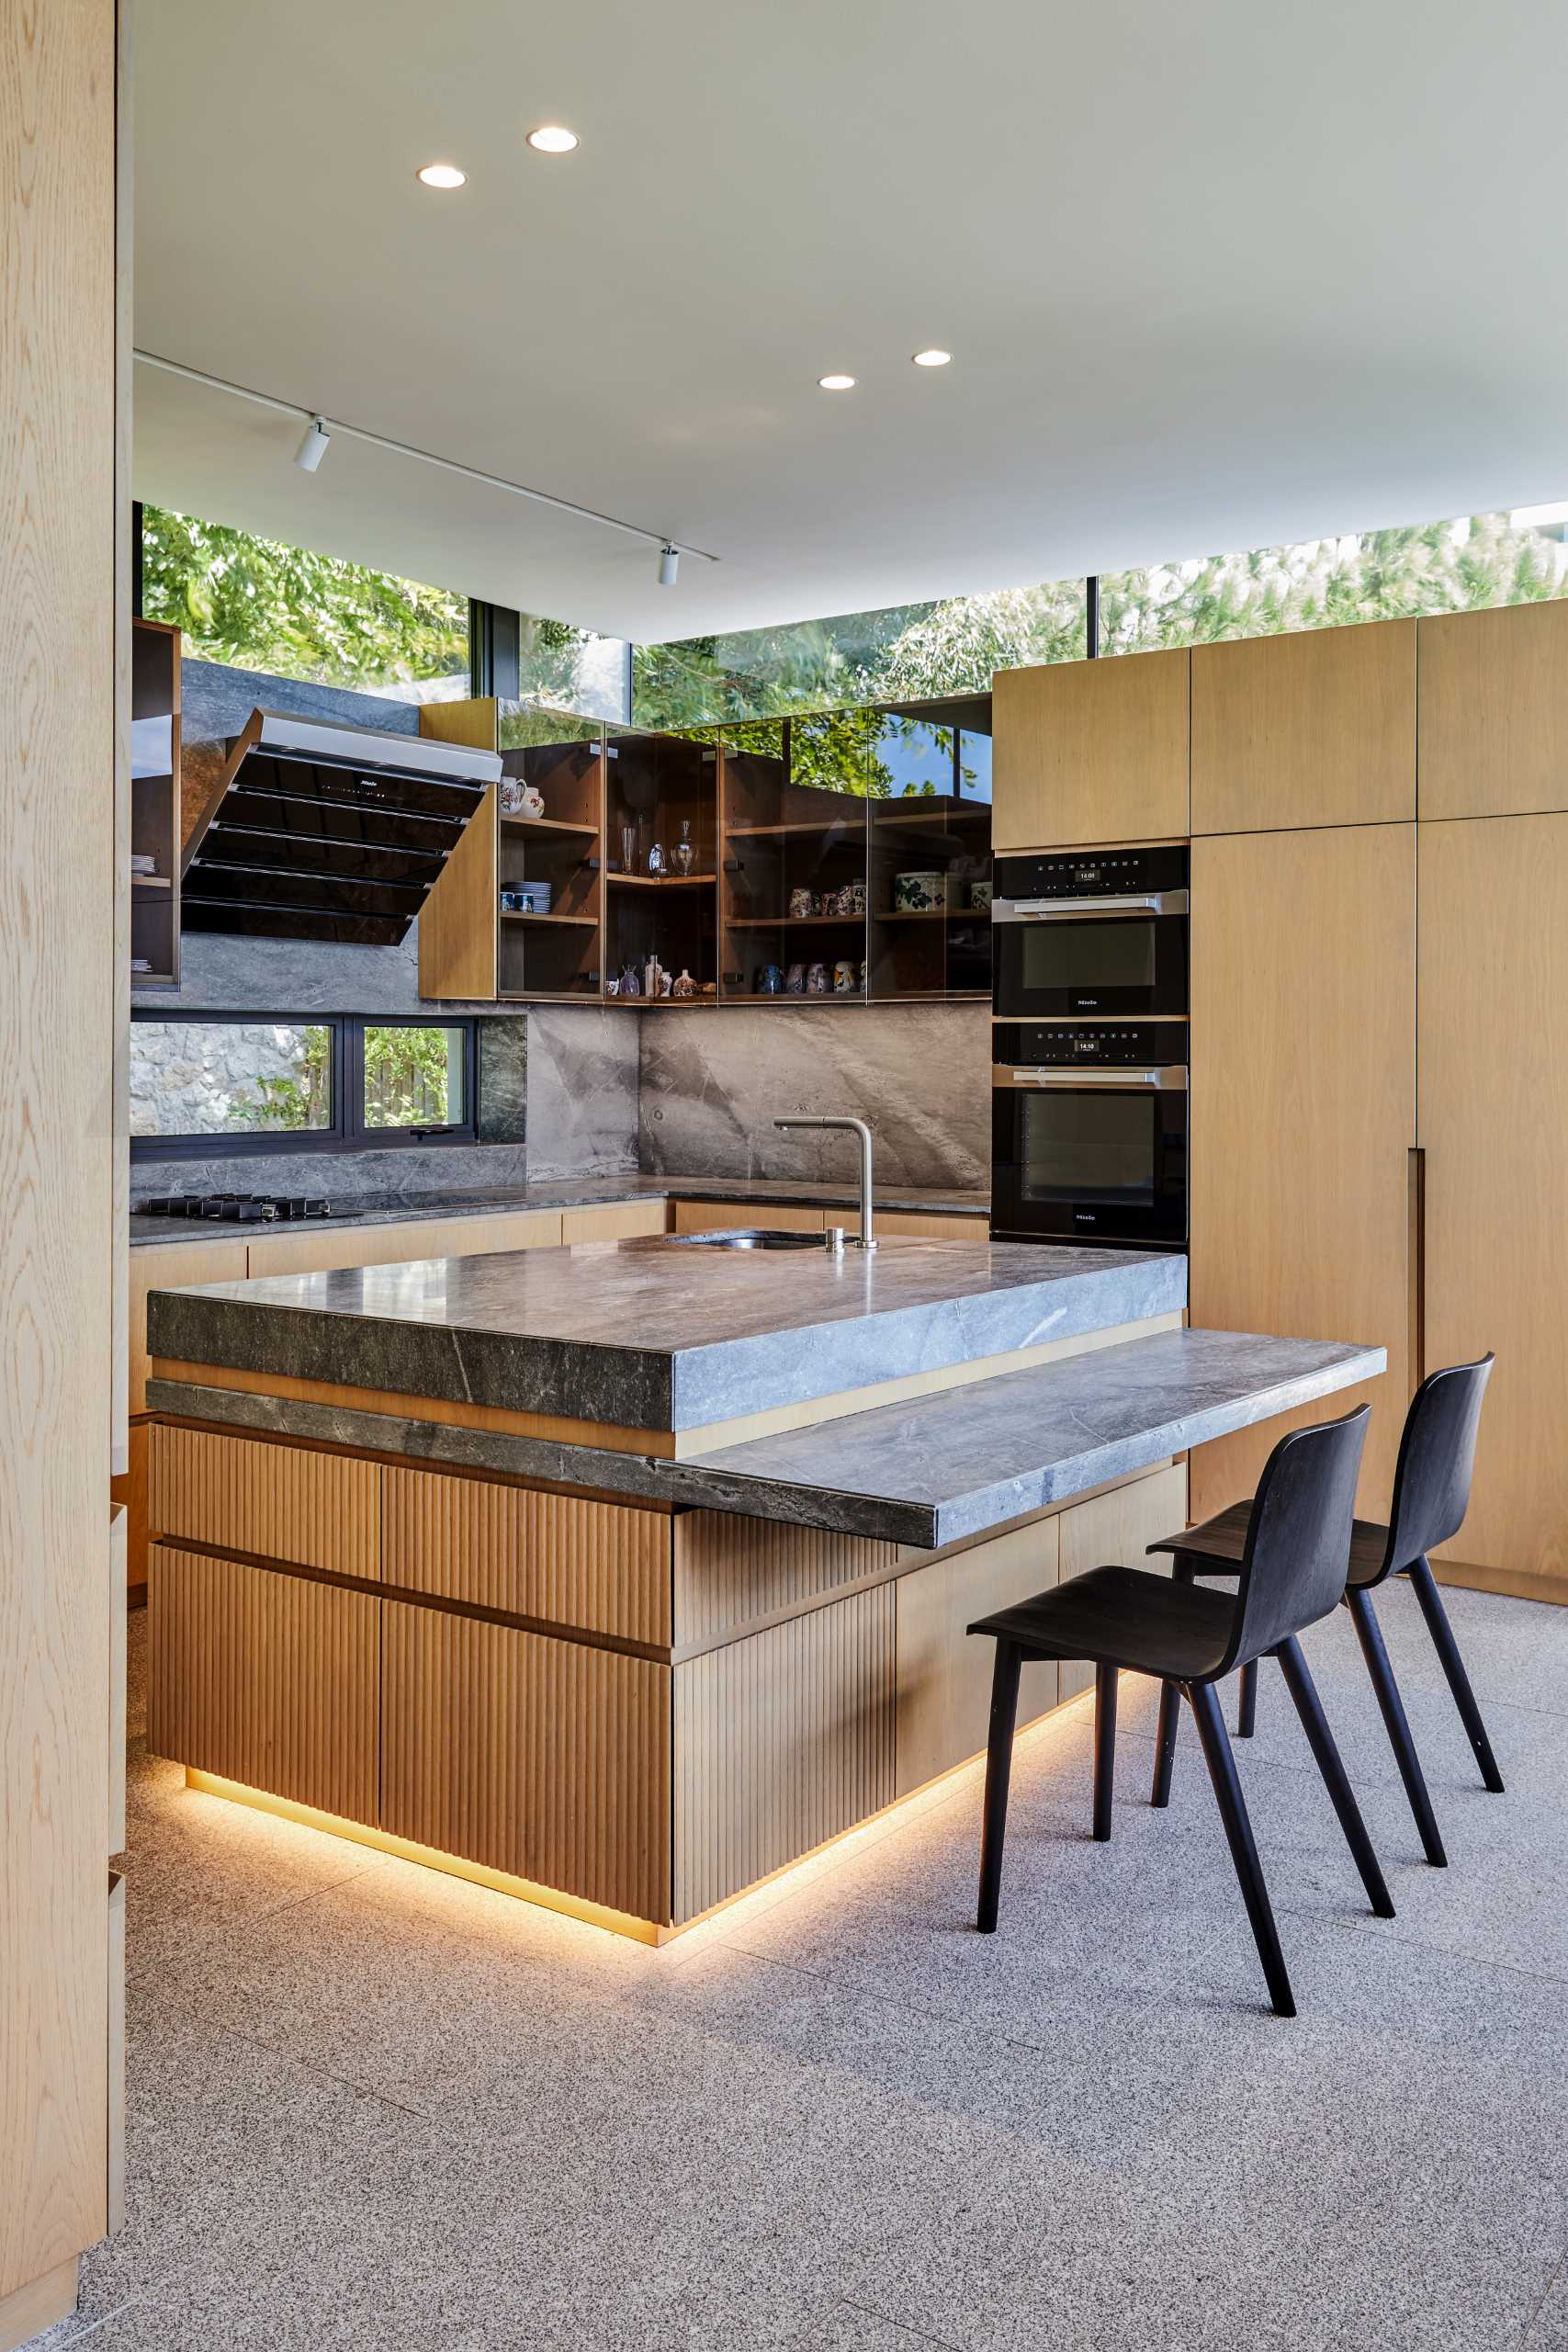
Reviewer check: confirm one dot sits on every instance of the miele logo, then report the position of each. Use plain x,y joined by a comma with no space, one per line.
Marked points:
1084,1002
1085,1217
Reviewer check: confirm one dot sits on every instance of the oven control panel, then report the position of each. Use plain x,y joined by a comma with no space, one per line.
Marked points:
1062,1045
1092,874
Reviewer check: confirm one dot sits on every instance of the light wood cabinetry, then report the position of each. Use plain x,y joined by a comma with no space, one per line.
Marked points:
1494,1129
1494,712
310,1249
944,1679
270,1679
1091,751
616,1221
180,1266
1317,728
547,1760
722,1216
904,1225
1303,1113
60,745
1116,1530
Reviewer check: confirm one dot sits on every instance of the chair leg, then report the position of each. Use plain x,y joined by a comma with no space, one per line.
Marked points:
1246,1712
1244,1851
1320,1739
1443,1642
1164,1741
1170,1709
998,1774
1369,1634
1105,1684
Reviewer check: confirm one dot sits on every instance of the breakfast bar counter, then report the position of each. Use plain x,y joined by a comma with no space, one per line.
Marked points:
624,1576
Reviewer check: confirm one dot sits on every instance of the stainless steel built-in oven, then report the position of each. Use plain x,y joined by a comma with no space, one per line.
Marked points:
1102,934
1088,1133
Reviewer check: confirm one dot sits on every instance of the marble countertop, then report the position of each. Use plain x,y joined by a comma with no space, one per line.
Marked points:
653,1335
926,1474
568,1193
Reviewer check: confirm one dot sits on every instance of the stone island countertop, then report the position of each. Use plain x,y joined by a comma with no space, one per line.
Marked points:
660,1336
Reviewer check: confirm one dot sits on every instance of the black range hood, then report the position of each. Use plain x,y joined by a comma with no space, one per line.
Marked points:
325,831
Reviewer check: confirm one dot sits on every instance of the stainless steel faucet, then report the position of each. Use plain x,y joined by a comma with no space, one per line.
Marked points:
855,1127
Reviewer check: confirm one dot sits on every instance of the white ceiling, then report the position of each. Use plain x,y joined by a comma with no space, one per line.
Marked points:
1217,273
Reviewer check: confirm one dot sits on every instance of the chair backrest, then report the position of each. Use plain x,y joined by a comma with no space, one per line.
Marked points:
1436,1460
1298,1539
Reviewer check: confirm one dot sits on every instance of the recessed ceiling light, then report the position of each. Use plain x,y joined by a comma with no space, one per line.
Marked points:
442,175
932,358
552,139
837,383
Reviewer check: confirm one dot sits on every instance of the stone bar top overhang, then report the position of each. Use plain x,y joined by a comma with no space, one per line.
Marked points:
937,1471
660,1336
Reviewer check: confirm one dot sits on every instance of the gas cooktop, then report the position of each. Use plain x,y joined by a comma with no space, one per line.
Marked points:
246,1208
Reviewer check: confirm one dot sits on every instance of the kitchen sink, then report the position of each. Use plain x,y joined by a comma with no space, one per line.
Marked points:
754,1237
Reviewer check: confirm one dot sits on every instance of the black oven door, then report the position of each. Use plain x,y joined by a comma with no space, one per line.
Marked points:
1109,962
1099,1157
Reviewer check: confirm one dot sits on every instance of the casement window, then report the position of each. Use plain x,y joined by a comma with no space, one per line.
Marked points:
211,1085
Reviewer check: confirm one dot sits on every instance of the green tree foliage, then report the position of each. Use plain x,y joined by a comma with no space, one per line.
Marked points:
257,604
1382,575
915,650
406,1078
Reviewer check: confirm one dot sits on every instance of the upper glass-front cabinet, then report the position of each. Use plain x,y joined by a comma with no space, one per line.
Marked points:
839,855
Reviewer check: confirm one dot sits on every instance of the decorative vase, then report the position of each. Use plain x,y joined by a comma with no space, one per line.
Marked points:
685,851
817,980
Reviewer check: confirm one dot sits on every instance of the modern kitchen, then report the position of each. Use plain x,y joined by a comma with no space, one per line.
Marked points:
720,1230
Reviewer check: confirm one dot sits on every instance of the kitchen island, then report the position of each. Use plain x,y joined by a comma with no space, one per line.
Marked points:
624,1576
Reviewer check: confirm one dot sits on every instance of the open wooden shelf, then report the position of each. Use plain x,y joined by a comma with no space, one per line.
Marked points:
547,825
795,923
581,922
659,881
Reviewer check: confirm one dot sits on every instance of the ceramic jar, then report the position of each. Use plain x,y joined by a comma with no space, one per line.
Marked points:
802,905
919,894
980,896
794,980
844,980
817,980
770,980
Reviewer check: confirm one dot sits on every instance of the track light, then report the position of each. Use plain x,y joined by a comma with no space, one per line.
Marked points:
669,561
312,446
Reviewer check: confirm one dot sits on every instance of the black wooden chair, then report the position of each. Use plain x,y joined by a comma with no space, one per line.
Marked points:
1431,1494
1293,1572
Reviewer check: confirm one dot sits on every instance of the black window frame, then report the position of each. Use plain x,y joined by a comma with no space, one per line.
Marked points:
347,1131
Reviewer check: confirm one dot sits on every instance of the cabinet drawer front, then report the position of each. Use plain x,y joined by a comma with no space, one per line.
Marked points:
313,1252
782,1740
615,1221
273,1680
719,1217
550,1760
729,1571
322,1510
601,1567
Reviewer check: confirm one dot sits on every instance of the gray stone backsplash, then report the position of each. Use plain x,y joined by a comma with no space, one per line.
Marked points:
712,1084
582,1091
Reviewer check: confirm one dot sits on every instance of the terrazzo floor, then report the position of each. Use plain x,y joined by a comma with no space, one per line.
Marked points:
373,2107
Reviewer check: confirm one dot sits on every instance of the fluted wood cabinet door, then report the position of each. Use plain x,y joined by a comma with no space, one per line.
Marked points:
1090,751
1494,1126
1302,1116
